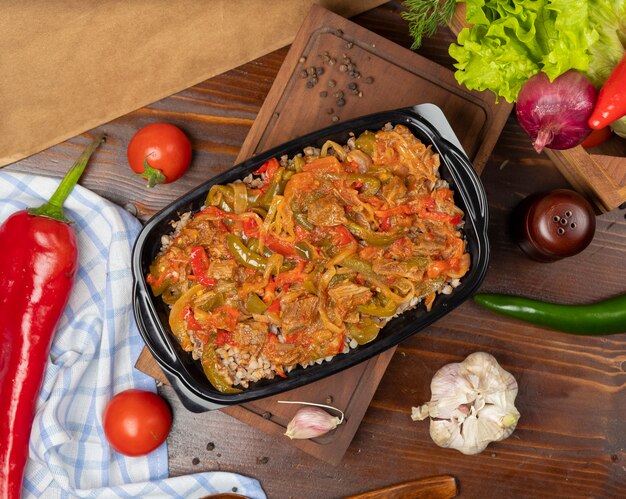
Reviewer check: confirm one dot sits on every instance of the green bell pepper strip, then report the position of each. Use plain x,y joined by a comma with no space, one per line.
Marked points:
370,237
366,141
209,366
276,187
365,332
358,264
296,164
302,220
594,319
305,249
217,300
371,185
253,245
242,254
387,310
255,305
222,196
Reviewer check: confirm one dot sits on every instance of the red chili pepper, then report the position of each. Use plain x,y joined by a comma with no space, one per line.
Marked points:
597,137
39,256
200,266
611,103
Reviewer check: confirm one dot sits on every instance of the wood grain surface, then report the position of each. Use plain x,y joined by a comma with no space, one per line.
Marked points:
570,440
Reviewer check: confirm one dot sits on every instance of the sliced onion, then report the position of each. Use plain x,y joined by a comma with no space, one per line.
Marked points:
555,114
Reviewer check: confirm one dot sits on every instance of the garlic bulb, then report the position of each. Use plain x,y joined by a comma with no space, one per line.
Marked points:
472,404
311,421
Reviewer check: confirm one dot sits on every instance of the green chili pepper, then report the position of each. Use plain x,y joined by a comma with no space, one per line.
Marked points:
371,237
209,366
365,142
600,318
387,310
255,305
365,332
242,254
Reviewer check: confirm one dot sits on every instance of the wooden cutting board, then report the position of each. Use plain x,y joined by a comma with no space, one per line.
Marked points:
373,75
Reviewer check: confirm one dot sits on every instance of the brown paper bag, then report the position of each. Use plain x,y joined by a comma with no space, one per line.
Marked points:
69,66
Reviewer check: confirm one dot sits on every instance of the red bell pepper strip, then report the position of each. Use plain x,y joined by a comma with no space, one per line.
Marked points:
222,337
39,256
200,266
268,169
611,103
340,235
190,320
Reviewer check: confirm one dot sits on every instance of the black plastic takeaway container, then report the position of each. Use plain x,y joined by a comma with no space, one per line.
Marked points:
186,375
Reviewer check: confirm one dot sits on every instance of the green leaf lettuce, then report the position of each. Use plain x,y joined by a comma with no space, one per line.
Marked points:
511,41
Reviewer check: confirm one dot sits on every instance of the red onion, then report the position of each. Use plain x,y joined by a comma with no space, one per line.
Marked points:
555,114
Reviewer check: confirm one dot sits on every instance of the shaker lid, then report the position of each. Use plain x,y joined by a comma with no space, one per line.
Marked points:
556,224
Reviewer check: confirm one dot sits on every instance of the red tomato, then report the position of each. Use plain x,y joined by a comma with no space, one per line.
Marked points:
160,153
597,137
136,422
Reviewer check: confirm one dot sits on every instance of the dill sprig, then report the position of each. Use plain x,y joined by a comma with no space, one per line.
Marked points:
425,16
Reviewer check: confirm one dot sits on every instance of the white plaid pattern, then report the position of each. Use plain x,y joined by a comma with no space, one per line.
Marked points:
92,358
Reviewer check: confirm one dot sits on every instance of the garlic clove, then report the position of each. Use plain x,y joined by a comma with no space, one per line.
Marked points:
311,422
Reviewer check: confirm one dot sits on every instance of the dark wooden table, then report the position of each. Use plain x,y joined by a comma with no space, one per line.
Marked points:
571,438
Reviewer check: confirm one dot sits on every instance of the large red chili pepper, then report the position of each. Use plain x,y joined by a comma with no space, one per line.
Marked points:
611,103
39,258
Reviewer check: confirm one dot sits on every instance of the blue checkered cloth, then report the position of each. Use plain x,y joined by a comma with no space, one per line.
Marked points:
92,357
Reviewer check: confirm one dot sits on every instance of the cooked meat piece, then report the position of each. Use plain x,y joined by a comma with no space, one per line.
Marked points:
240,274
414,268
326,212
299,313
222,269
347,295
250,333
285,354
427,246
395,190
